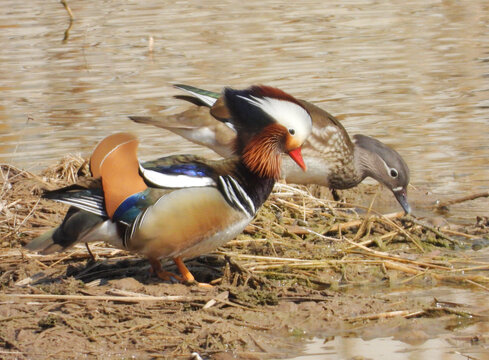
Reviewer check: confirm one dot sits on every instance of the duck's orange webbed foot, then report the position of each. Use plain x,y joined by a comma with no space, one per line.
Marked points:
162,274
187,275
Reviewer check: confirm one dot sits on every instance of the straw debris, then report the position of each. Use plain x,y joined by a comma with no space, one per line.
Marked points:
288,263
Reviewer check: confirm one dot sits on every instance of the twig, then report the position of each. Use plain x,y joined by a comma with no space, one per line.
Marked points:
477,284
353,223
90,252
385,315
458,233
404,268
461,199
72,19
392,223
363,226
219,298
137,327
66,6
432,229
105,297
394,257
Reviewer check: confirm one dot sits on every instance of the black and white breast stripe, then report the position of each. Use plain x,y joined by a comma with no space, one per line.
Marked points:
236,196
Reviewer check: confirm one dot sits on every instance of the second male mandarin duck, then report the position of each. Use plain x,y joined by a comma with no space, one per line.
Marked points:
334,159
183,206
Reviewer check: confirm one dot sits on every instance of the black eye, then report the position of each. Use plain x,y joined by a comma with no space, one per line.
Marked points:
393,173
291,131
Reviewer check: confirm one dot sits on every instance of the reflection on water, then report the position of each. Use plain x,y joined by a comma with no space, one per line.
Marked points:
421,338
412,73
383,348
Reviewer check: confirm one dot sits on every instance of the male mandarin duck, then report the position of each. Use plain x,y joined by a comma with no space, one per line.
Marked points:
334,159
182,206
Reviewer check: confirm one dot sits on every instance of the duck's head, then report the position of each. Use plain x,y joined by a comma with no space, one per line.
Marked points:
385,165
269,122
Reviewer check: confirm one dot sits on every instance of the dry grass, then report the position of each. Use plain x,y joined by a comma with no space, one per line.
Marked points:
296,236
298,249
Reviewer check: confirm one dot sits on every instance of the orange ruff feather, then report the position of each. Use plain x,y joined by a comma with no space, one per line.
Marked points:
262,154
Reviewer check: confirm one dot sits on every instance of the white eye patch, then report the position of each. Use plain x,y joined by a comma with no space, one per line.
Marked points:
392,172
289,114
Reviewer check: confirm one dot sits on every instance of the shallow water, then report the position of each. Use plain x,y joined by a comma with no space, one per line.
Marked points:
384,348
422,338
412,73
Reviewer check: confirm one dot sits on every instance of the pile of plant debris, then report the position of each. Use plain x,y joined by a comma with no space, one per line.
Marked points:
300,268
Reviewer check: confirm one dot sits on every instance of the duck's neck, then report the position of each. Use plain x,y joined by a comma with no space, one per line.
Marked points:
365,163
257,187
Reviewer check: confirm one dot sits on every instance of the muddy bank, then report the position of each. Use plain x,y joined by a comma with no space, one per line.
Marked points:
306,266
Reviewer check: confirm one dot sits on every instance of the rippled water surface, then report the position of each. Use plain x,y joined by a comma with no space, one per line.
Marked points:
419,339
415,74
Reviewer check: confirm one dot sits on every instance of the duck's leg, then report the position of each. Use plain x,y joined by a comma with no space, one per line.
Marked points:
336,196
90,253
162,274
186,274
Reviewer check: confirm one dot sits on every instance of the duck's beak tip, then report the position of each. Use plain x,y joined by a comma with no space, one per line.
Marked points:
296,155
401,196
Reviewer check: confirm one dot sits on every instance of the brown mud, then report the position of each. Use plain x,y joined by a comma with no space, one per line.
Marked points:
305,266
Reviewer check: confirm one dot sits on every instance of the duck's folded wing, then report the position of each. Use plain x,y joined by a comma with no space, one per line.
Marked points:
198,126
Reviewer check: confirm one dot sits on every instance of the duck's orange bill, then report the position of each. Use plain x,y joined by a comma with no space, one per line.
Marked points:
297,157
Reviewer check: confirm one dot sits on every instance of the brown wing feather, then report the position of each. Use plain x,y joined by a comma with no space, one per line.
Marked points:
197,125
219,110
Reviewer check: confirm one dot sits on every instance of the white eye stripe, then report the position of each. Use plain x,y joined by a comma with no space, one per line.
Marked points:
286,113
389,169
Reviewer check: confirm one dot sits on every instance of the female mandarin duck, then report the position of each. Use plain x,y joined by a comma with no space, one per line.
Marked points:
183,206
334,159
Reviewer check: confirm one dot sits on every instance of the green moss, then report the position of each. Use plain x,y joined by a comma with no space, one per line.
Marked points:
256,297
48,322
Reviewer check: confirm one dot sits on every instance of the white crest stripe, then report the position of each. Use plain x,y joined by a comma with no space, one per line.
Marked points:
287,113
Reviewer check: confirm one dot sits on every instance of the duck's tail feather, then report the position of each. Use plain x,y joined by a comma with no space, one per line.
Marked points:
77,226
208,98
